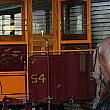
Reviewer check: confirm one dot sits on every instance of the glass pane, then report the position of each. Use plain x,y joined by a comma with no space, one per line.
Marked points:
18,24
73,19
42,16
10,19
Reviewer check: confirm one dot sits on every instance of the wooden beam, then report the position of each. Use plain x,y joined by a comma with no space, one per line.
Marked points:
55,23
10,1
89,21
59,24
74,41
29,25
62,51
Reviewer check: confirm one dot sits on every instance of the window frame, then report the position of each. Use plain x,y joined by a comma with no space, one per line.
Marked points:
46,18
84,27
15,37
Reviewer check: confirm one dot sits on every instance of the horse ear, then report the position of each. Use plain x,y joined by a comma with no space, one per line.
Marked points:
98,44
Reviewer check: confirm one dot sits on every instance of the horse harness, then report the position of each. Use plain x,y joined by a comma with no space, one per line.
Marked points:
99,76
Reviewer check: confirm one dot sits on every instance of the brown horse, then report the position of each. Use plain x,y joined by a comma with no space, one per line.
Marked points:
101,61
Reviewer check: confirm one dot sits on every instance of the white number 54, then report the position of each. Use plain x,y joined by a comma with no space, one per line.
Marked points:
35,78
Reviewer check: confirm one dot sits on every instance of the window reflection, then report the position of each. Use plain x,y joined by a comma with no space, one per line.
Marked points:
74,20
42,16
10,19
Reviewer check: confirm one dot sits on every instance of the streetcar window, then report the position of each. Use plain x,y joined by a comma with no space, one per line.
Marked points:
73,20
10,19
42,16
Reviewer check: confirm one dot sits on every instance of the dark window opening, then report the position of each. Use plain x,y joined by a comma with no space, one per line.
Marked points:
74,20
10,19
42,16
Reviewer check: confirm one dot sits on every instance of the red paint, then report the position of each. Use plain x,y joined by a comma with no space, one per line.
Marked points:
66,78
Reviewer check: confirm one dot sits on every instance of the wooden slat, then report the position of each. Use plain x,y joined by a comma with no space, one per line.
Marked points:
11,42
61,51
39,36
74,41
10,1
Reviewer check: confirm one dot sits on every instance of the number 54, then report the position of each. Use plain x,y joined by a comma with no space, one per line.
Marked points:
35,78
